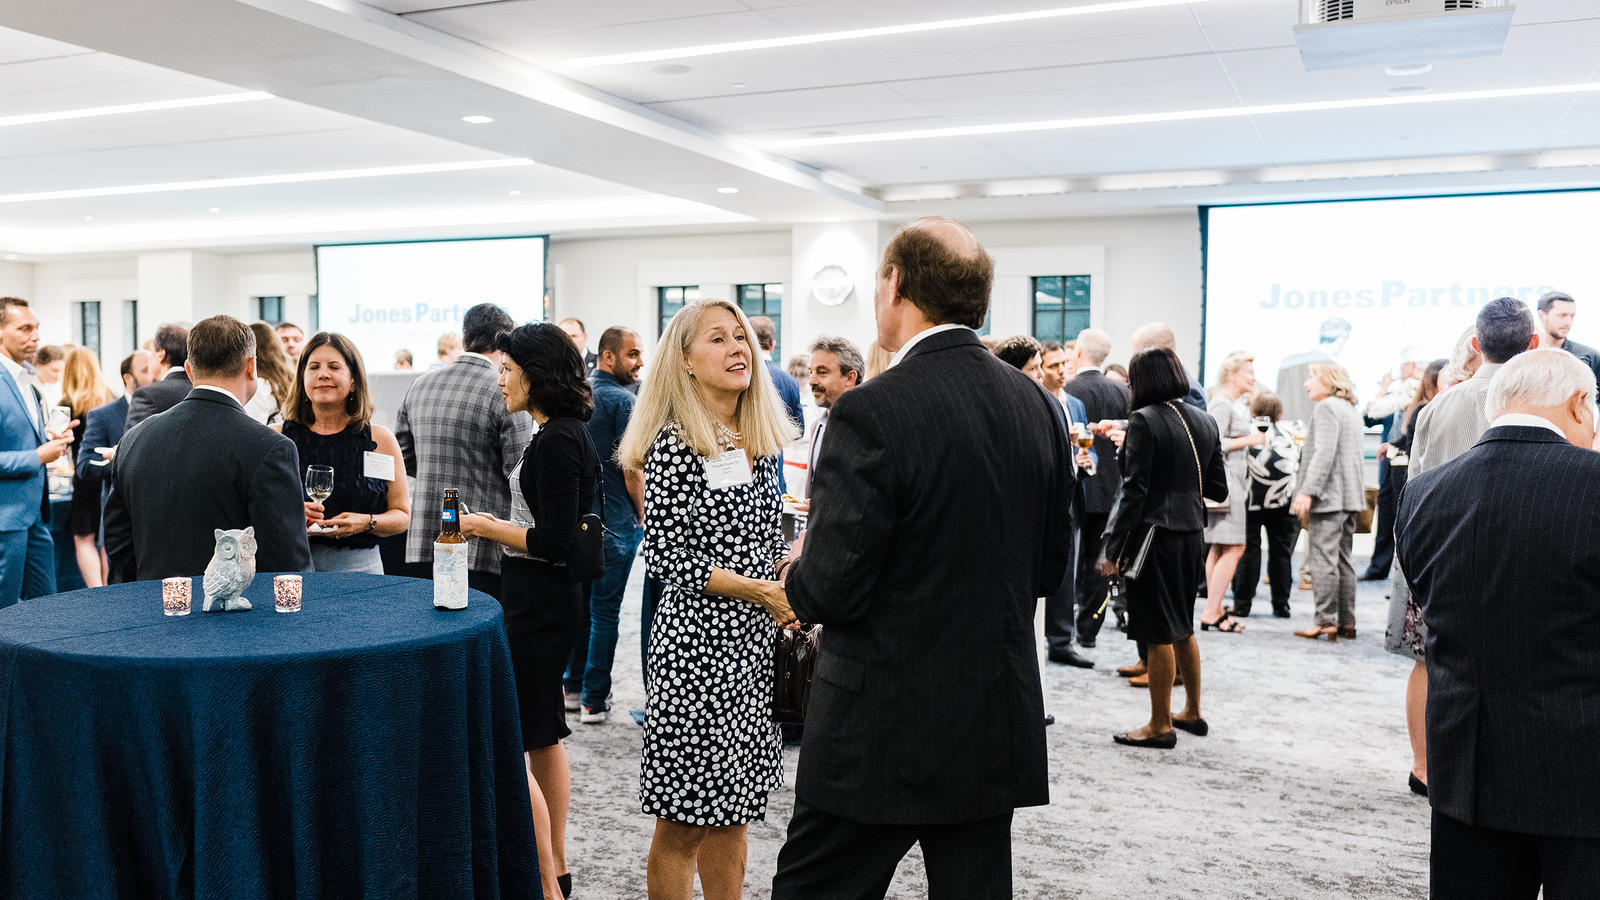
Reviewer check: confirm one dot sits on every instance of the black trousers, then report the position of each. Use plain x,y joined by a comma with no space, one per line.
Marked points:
828,856
1092,585
1060,617
1283,529
1383,529
1473,863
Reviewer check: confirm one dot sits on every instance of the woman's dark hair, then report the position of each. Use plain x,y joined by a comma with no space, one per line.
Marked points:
1156,376
1267,404
550,362
359,401
1017,350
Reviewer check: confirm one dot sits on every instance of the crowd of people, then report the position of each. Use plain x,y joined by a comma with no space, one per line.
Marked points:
950,483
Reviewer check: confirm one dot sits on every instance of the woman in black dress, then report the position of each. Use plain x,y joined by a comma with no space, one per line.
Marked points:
83,389
552,487
1170,457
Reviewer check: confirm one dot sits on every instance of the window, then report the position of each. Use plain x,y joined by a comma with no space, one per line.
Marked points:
314,313
765,300
1060,306
269,309
671,299
86,324
130,324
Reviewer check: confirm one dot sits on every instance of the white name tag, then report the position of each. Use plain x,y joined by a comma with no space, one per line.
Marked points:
727,470
377,465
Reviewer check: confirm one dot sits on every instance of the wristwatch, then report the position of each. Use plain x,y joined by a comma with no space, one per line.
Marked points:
372,522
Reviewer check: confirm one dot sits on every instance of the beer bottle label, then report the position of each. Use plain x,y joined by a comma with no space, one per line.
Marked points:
448,515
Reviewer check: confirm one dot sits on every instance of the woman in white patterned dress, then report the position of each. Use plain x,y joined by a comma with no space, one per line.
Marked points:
707,433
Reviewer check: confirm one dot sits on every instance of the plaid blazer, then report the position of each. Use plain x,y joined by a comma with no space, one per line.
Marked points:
454,432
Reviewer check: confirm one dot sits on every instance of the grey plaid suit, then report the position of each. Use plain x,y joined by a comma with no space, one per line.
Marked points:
454,432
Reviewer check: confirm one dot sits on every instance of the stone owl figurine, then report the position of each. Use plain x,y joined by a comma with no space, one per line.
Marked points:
232,568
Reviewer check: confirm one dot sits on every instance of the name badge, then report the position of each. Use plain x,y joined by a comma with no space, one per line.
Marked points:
377,465
726,470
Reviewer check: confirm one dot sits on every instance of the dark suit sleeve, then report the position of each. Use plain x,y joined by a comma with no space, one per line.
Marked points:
276,510
96,433
1057,550
119,532
558,474
835,579
1138,453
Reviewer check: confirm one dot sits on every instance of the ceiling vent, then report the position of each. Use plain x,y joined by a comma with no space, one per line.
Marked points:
1343,34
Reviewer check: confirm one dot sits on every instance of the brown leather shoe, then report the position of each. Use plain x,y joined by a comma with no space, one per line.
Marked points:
1347,632
1138,668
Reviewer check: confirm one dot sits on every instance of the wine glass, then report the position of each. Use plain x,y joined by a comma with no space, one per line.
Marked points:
1262,423
319,482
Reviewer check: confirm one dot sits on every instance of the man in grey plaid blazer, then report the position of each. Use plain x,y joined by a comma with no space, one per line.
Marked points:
454,432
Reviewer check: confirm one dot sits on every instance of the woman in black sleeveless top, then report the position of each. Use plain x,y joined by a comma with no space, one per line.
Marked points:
329,418
551,489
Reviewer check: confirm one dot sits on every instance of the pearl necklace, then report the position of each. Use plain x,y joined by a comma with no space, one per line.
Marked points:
729,436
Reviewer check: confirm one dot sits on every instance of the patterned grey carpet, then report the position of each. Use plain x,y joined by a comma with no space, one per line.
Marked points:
1298,792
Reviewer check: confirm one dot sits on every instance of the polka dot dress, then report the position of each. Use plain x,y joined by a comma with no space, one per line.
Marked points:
711,749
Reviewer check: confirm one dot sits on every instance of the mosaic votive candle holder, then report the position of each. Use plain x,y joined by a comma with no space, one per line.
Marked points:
286,593
176,594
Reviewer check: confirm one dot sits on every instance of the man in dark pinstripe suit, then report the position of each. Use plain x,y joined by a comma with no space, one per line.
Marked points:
1498,547
937,526
454,432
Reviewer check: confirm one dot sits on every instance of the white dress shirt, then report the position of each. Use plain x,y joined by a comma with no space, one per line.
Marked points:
223,391
1529,420
918,337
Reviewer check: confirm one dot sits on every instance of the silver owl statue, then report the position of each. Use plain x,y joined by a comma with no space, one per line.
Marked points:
232,568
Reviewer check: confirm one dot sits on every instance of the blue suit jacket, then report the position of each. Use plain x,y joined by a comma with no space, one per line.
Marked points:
102,427
22,477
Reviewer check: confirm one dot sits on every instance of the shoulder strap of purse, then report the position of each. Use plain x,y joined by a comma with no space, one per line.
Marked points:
1198,478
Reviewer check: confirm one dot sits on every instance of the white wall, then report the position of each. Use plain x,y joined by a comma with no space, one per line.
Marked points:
1144,268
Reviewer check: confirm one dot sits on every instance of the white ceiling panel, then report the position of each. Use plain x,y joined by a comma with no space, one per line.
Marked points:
824,107
955,159
534,30
16,46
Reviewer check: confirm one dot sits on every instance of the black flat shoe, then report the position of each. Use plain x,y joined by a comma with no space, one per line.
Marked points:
1417,787
1281,612
1164,741
1196,727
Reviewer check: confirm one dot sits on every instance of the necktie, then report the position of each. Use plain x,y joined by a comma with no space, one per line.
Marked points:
816,448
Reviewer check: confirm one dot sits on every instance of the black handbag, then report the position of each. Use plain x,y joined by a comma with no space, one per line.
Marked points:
795,662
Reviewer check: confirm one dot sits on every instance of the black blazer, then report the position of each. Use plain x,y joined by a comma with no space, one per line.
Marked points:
203,465
936,526
1104,399
1498,546
1160,486
158,396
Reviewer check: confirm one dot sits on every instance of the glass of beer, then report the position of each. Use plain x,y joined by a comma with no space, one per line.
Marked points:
1085,440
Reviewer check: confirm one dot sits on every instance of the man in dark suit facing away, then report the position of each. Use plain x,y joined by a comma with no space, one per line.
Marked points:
1102,399
936,528
171,383
1498,547
202,465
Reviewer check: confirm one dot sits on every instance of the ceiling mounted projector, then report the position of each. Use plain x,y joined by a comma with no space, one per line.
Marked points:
1344,34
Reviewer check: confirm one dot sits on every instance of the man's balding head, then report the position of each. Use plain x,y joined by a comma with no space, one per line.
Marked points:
938,265
1154,334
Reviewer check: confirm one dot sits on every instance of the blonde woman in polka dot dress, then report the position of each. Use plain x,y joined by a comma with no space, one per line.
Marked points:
707,433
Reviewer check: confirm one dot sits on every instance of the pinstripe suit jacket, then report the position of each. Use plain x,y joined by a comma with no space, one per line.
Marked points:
454,432
1498,547
936,526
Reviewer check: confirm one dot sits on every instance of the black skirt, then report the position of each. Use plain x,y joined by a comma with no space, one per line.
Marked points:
84,516
1161,599
542,609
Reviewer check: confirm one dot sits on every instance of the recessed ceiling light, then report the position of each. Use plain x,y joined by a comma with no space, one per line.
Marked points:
1408,71
617,59
214,210
1407,90
88,218
515,193
256,180
671,69
12,256
1188,115
739,84
477,120
124,108
727,190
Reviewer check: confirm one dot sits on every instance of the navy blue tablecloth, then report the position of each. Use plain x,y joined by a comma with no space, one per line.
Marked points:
367,746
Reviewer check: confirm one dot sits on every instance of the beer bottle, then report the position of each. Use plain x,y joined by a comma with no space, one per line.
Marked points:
450,556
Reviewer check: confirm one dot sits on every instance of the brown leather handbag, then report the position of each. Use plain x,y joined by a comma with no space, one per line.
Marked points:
794,663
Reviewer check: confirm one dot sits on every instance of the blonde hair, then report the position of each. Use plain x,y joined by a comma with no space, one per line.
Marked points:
878,359
670,396
1231,364
1336,379
81,384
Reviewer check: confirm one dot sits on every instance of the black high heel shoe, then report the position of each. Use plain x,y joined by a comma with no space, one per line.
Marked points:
1417,787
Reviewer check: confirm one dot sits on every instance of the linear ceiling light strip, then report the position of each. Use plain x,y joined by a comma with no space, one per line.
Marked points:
94,112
